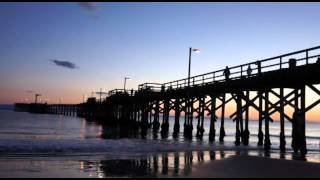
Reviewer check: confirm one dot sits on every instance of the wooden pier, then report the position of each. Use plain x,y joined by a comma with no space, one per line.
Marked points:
248,86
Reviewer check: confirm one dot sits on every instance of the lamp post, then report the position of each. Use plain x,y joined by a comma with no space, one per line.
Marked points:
125,81
83,97
189,68
188,126
36,98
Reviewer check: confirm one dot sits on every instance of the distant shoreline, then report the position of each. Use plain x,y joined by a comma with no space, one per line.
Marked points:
6,106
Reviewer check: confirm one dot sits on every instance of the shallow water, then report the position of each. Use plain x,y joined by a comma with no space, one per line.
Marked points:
33,145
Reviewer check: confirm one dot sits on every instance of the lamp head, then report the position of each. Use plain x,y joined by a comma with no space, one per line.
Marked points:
196,50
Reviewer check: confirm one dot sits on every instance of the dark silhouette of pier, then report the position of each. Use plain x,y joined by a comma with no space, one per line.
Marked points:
206,94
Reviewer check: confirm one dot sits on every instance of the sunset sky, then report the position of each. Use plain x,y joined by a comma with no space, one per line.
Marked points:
66,50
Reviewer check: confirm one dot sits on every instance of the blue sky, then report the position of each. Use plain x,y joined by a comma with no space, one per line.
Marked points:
146,41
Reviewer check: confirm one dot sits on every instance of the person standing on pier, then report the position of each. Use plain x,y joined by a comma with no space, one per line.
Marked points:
318,60
258,63
249,70
226,72
292,63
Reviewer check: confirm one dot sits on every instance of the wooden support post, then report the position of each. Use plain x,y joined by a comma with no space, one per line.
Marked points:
298,124
294,143
189,113
138,112
67,110
202,116
267,142
150,114
222,132
176,127
282,132
134,114
165,122
144,119
241,118
200,129
301,122
186,116
191,118
199,117
238,120
246,132
156,123
212,132
185,109
260,133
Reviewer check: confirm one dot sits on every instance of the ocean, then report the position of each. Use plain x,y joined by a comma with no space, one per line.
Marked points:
44,145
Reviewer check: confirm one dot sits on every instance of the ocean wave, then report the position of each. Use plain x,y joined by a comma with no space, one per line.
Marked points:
108,146
118,147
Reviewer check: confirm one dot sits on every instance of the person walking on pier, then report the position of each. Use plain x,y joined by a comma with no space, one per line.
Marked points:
249,70
226,72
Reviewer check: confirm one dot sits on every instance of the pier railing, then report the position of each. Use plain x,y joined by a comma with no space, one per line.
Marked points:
129,92
150,86
302,57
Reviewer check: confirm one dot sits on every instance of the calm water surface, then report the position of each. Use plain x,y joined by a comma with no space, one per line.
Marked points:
33,145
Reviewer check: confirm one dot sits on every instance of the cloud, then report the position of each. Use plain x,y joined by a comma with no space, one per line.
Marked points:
89,6
65,64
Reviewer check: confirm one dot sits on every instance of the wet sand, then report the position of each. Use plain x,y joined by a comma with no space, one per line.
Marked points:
250,166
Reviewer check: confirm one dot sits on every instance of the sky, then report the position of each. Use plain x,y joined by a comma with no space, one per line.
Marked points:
66,50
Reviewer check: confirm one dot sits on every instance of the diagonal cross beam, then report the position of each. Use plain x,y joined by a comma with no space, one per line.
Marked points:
283,99
226,102
274,106
277,109
248,103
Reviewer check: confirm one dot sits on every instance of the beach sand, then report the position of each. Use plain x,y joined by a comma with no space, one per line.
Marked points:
250,166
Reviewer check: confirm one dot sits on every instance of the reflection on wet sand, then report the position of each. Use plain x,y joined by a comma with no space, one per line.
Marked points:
173,164
177,164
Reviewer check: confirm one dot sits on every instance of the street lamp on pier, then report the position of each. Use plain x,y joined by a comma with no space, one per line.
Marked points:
125,81
189,68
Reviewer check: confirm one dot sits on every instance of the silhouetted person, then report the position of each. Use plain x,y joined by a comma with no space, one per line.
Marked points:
162,88
249,71
318,60
292,63
258,63
131,92
226,72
